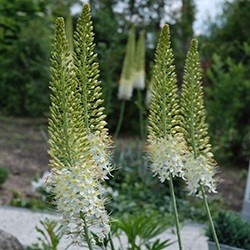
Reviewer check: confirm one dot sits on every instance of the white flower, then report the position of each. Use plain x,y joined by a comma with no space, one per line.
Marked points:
199,171
78,195
40,183
125,90
167,156
139,79
99,150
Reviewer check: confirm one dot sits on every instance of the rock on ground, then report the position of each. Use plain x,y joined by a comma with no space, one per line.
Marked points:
9,242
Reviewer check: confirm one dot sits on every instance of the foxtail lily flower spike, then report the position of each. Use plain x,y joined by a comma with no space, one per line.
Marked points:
75,175
166,147
87,72
200,165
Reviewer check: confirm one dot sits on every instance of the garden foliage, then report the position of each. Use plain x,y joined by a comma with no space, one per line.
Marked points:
231,230
24,58
228,109
225,49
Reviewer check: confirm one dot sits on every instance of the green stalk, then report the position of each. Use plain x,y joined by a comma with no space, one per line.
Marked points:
177,223
120,119
204,196
111,242
140,114
210,218
86,232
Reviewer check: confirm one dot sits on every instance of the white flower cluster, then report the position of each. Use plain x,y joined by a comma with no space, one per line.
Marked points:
167,156
199,171
78,195
125,90
170,156
139,79
99,150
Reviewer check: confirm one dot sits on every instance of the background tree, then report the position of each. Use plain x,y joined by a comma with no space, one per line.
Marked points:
112,20
24,53
226,50
182,33
25,39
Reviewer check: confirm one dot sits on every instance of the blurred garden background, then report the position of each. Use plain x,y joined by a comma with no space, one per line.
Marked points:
26,32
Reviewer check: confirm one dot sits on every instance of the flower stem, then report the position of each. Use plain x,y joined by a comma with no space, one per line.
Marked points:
111,242
177,223
210,218
120,119
140,107
86,233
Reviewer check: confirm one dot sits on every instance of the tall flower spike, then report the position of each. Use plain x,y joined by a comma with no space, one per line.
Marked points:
73,178
91,92
125,90
65,129
200,167
165,147
139,72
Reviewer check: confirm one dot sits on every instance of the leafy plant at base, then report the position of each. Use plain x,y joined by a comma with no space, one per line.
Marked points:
141,230
231,230
50,235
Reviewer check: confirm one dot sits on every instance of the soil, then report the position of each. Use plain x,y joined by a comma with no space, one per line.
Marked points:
23,151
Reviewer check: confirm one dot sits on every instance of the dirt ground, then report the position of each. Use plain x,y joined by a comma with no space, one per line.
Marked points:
23,151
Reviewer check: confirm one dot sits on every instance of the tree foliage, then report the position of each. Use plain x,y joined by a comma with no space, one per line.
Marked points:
24,53
25,38
226,49
110,16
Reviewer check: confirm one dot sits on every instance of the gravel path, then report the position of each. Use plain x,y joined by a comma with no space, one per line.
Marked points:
21,223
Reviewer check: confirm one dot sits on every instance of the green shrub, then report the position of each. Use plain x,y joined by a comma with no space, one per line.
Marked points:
231,230
228,109
25,37
3,175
